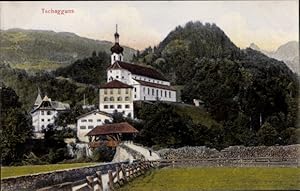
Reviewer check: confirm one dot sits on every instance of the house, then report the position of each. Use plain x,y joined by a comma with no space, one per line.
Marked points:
89,121
148,84
44,112
116,96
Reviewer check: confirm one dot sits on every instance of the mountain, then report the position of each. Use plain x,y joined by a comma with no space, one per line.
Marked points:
288,53
47,50
241,89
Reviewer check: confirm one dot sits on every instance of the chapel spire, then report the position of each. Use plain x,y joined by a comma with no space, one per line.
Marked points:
116,50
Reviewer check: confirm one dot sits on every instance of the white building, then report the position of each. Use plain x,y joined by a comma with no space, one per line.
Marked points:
89,121
148,83
116,96
44,113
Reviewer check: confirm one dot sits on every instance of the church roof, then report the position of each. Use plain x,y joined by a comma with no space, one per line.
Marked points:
114,128
115,84
138,70
117,48
154,85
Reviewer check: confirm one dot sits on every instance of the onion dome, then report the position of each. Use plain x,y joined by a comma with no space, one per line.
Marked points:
117,48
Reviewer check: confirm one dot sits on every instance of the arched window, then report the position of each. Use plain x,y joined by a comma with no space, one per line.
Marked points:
119,98
48,112
126,98
111,99
105,98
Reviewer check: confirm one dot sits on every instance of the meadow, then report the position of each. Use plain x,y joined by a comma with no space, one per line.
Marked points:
221,178
32,169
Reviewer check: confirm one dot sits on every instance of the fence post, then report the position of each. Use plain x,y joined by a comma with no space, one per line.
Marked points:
110,180
99,180
118,174
123,172
90,183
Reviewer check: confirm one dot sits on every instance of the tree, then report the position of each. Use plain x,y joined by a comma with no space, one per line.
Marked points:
267,135
16,128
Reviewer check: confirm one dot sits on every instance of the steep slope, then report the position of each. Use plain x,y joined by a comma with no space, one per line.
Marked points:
288,53
47,50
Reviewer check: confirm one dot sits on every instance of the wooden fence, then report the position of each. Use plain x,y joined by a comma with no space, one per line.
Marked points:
123,174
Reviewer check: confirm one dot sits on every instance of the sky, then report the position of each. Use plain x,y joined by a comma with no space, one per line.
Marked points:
268,24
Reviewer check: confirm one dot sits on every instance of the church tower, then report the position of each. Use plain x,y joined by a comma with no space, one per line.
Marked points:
116,50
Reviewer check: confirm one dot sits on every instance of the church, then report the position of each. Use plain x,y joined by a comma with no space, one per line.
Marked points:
140,82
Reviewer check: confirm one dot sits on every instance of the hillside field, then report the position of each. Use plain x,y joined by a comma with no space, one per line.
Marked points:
217,178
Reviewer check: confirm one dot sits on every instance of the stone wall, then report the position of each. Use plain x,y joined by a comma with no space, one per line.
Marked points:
237,152
41,180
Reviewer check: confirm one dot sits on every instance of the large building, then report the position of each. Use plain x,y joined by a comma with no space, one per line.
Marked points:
116,96
44,112
148,84
89,121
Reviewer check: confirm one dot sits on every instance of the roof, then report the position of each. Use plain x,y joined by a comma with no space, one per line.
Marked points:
117,48
95,111
154,85
115,84
47,104
138,70
114,128
38,100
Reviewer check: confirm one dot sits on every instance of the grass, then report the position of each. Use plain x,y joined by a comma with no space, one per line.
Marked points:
222,178
32,169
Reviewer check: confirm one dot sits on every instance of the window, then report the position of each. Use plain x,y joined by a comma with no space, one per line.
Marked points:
119,98
105,106
134,95
127,106
119,107
48,112
111,91
169,94
152,91
122,77
83,120
165,93
126,98
127,91
144,98
117,76
105,98
157,93
48,119
111,99
148,91
42,112
114,58
105,91
90,120
43,126
119,91
98,120
110,71
161,93
111,106
134,89
82,127
43,119
90,127
143,90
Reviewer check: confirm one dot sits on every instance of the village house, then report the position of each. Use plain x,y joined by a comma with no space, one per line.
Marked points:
44,112
89,121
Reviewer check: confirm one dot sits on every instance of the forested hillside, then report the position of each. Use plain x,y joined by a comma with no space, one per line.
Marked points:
91,70
26,87
47,50
249,93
